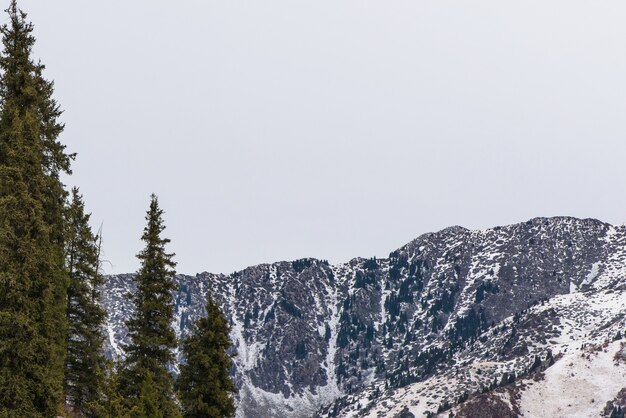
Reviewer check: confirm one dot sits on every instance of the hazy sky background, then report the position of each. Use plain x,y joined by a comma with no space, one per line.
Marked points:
280,129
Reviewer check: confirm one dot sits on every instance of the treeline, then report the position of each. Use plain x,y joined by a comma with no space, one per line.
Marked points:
52,361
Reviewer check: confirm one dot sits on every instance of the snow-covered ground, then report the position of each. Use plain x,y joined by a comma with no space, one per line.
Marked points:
577,386
584,377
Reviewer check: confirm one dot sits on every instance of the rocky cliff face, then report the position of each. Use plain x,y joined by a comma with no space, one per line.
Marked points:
449,316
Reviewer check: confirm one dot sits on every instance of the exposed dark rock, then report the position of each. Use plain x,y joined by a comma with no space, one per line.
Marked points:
308,333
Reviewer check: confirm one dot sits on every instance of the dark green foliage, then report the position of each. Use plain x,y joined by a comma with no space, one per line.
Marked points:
397,262
370,332
150,402
485,287
507,379
342,338
468,326
443,407
370,264
463,397
365,279
300,265
145,380
429,359
407,288
412,284
347,303
617,412
327,332
85,362
392,305
457,269
445,303
290,308
111,403
301,350
33,279
204,386
350,329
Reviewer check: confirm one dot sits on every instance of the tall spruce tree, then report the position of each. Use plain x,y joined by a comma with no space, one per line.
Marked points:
85,362
111,402
33,279
204,385
145,379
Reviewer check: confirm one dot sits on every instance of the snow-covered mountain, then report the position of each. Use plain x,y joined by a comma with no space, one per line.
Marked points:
521,320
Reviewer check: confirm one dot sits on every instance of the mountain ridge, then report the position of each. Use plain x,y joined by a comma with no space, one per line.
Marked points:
320,339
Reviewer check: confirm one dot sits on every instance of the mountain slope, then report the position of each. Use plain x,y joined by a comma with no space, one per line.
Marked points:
450,314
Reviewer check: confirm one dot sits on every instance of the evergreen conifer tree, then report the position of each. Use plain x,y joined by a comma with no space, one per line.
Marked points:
145,379
204,385
85,362
111,402
33,278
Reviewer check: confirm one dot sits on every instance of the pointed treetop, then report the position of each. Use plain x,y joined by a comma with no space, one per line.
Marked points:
18,24
153,229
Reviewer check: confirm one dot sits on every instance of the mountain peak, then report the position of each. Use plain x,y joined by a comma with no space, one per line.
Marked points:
448,316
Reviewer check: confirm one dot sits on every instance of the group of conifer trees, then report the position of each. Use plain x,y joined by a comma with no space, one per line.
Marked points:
52,361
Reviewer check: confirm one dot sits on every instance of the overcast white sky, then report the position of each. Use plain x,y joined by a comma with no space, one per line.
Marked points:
274,130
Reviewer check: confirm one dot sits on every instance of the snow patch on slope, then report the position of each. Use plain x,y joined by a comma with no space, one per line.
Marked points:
113,341
331,391
578,385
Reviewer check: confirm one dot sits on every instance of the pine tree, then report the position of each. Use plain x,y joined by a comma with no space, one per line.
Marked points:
204,385
33,279
85,362
111,402
146,381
